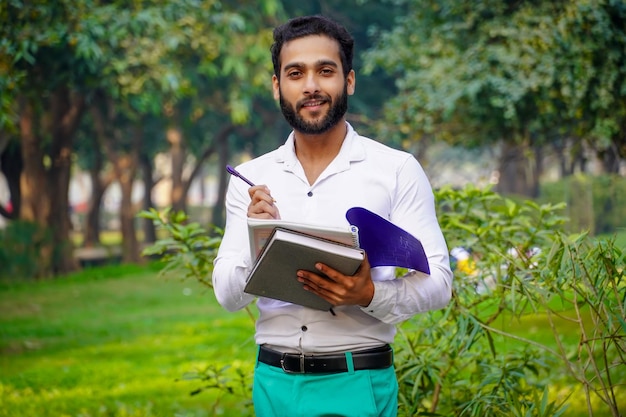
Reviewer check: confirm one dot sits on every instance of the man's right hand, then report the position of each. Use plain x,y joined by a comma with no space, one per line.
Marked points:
262,205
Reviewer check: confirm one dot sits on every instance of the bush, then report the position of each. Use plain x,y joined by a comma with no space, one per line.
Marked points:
458,361
21,246
469,359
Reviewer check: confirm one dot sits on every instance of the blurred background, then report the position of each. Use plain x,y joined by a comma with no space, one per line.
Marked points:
108,108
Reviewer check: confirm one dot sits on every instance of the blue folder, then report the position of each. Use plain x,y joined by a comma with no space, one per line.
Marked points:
387,244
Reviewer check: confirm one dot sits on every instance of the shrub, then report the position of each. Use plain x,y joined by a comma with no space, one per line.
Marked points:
21,246
453,362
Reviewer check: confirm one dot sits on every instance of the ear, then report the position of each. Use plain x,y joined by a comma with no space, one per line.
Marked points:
351,82
275,87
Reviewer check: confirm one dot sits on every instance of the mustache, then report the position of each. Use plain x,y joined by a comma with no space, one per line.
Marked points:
317,97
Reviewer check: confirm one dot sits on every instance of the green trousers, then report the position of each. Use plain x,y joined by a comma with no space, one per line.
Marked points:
366,393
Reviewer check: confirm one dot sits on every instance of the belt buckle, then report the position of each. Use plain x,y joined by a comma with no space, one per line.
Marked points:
289,371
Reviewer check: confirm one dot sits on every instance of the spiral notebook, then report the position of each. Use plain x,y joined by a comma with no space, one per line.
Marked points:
259,230
287,251
282,247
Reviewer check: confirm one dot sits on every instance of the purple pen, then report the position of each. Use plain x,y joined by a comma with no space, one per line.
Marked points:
233,171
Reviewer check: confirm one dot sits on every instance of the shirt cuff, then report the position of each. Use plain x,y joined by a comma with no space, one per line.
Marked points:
381,303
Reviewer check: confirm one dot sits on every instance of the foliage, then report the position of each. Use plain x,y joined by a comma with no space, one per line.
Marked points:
457,361
142,67
113,341
450,363
522,74
232,380
190,249
21,245
589,275
187,248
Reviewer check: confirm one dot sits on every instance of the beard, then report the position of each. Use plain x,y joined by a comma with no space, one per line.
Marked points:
337,110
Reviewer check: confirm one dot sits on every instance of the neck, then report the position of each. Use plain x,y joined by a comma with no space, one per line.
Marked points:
322,145
316,152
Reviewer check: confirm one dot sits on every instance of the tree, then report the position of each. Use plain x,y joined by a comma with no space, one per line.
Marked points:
499,73
121,59
226,85
592,76
47,77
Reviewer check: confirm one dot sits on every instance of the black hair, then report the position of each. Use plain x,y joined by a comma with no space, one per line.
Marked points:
300,27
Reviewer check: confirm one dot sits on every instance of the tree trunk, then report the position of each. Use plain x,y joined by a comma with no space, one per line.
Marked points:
538,171
517,176
44,192
124,167
223,152
128,212
130,244
149,231
610,160
92,220
99,185
174,136
35,203
66,112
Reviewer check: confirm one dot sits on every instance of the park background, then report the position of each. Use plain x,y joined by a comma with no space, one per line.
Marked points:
102,101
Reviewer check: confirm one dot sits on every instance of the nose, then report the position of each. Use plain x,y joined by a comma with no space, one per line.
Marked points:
311,84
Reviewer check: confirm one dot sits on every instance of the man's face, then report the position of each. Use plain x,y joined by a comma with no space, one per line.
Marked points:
316,126
312,90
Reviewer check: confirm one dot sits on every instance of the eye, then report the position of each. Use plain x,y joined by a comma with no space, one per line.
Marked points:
294,74
327,71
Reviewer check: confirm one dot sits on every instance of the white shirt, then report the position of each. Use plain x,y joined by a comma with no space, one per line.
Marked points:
366,174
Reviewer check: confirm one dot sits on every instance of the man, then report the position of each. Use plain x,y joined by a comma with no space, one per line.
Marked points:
314,363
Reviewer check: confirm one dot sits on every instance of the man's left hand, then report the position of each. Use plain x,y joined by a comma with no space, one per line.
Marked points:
339,289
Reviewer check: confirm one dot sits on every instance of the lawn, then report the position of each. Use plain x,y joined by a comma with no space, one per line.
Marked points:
116,341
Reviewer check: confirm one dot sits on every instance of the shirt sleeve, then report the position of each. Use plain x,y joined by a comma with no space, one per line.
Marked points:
413,210
233,261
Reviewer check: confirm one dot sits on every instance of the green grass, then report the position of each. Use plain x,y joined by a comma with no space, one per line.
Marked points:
115,342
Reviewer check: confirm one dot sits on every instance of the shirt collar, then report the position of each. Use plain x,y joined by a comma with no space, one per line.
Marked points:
351,150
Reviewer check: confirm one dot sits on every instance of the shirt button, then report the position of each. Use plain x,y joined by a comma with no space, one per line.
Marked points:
304,328
310,193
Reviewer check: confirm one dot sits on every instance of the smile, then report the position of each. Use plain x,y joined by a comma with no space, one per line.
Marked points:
315,103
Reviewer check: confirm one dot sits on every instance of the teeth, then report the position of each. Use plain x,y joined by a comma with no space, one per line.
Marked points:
315,103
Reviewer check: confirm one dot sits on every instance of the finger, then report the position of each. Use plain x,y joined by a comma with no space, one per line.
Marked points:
365,268
313,281
330,273
261,203
322,286
317,287
263,210
260,193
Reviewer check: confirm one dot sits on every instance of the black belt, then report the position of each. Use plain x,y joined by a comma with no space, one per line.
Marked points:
377,358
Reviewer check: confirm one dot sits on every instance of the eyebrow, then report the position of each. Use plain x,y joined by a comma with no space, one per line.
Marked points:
319,63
